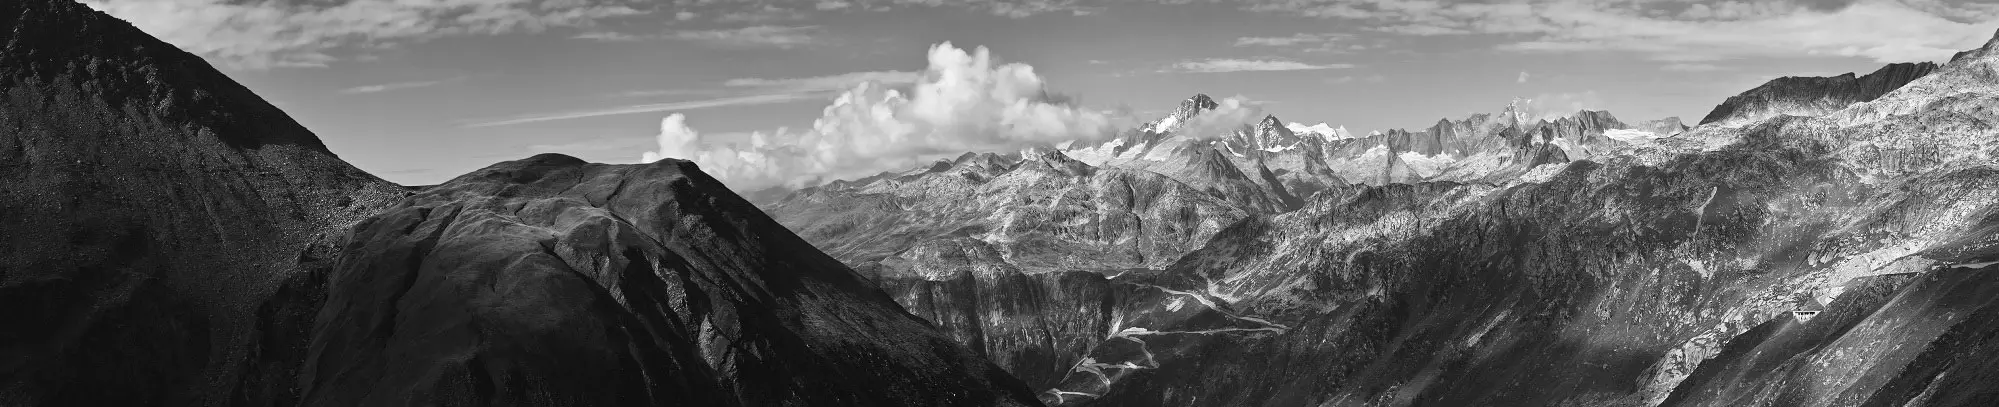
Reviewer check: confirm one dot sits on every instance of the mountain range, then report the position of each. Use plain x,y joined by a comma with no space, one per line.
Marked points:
1815,241
169,238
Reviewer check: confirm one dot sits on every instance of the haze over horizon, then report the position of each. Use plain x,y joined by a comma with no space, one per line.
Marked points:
422,91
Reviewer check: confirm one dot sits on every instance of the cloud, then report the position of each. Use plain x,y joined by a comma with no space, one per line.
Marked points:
1550,106
756,36
1230,114
761,14
829,82
607,36
1682,31
741,91
645,108
266,34
1312,42
752,36
964,101
1523,77
643,93
389,87
1219,65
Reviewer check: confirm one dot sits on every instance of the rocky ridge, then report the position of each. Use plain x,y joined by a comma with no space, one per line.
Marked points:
1813,96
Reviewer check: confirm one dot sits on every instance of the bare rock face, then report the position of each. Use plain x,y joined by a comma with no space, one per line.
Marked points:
1813,96
552,281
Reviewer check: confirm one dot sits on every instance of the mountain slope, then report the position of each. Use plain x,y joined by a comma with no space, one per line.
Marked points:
149,205
587,284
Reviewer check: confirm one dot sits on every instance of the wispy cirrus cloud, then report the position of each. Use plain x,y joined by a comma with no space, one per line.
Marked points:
396,86
267,34
1679,30
1223,65
756,36
642,108
752,36
829,82
1308,41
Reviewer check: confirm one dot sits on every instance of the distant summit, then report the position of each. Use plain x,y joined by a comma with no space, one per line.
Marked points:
1188,109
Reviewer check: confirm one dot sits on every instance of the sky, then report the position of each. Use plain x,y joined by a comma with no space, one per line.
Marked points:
792,93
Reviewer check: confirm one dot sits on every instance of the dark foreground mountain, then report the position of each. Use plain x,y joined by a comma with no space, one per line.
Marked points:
168,238
148,206
552,281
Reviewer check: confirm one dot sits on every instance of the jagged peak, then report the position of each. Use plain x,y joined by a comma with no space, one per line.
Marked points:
1189,108
1199,102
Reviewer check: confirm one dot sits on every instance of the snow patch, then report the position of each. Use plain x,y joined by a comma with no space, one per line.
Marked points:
1631,136
1322,129
1426,166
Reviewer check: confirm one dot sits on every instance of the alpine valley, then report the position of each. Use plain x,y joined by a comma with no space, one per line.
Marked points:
168,238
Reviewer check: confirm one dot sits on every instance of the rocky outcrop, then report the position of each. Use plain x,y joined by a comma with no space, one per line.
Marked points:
1813,96
552,281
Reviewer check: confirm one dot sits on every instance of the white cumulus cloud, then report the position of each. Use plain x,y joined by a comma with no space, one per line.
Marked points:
965,101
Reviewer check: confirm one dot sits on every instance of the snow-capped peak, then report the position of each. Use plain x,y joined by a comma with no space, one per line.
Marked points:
1322,129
